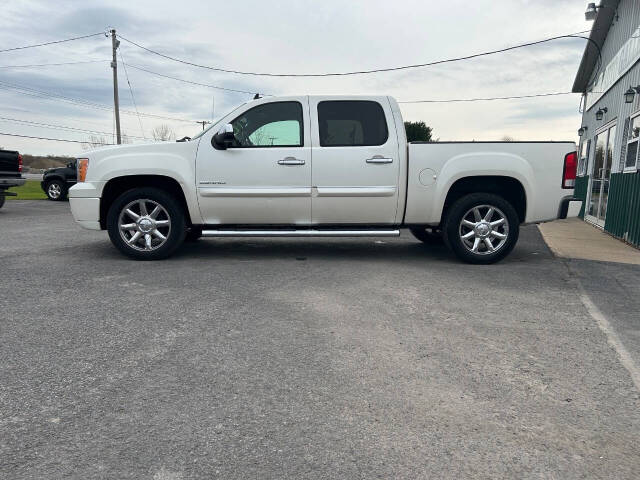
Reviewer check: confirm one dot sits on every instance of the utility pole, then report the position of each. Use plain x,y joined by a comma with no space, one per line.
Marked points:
114,65
203,122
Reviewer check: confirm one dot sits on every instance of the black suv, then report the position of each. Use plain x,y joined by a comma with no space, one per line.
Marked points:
57,181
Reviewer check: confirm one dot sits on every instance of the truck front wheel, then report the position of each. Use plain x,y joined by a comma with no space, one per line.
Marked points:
146,224
481,228
56,190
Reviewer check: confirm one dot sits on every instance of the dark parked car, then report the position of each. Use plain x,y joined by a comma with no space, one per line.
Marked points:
10,173
56,182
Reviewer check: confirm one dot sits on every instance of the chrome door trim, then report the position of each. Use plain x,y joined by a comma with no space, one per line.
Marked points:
388,191
379,160
254,192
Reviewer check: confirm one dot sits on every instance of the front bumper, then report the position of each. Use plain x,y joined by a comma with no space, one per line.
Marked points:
86,211
84,200
569,207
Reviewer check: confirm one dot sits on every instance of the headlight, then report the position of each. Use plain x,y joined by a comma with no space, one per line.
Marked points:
82,166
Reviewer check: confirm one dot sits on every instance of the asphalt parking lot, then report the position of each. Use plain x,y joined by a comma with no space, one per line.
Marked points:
303,358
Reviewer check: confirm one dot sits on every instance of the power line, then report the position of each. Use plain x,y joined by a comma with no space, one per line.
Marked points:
81,102
60,127
51,43
358,72
131,91
453,100
46,138
189,81
53,64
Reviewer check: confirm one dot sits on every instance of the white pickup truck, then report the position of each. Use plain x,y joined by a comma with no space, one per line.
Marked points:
323,166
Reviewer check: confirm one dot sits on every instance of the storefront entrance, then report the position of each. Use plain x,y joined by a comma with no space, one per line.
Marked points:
599,175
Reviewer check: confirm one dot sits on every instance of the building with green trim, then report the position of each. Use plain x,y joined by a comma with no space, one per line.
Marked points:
609,78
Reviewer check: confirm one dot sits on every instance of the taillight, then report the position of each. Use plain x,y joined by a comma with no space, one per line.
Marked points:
570,170
82,165
19,163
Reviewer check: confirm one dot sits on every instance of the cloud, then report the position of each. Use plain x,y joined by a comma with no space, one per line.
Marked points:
297,36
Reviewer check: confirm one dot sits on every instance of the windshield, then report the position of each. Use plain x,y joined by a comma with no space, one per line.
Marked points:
216,123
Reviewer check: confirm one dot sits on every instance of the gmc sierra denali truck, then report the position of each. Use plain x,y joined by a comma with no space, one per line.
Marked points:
323,166
10,173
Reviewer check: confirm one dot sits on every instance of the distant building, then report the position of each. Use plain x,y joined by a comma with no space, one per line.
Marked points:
608,169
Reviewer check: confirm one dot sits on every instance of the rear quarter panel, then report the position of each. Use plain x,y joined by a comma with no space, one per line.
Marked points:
435,167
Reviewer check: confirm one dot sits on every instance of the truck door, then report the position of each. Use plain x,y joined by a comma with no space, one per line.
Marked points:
264,177
355,161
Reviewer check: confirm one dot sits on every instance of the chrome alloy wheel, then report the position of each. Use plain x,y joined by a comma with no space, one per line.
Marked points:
484,229
54,191
144,224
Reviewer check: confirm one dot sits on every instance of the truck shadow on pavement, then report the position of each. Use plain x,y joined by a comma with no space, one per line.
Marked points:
401,249
530,249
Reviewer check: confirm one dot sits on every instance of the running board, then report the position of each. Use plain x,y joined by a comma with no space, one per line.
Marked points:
301,233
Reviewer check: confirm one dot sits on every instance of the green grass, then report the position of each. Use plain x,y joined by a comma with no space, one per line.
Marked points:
31,190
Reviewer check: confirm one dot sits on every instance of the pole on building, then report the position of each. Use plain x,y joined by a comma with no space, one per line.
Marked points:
114,65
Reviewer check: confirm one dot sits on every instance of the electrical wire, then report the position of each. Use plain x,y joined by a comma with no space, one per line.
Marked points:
192,82
32,123
357,72
52,64
52,139
51,43
454,100
76,101
131,91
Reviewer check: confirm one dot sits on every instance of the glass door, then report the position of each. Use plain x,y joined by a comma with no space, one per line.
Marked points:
600,174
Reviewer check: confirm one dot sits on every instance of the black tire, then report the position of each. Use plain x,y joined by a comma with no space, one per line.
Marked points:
2,199
56,190
462,209
171,210
430,236
193,234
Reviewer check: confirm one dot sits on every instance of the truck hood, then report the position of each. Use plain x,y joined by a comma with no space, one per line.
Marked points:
54,169
127,149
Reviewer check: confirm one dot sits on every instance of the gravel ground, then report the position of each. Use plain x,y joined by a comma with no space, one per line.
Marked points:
303,358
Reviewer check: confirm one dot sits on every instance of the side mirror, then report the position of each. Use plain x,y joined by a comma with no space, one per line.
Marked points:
224,138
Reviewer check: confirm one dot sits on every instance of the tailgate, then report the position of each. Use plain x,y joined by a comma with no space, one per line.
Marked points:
9,163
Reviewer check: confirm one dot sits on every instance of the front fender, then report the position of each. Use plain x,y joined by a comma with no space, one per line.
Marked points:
172,160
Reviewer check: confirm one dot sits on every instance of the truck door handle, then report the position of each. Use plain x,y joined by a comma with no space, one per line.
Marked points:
377,159
290,161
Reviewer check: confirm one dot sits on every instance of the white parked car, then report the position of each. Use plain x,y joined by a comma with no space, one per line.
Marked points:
325,166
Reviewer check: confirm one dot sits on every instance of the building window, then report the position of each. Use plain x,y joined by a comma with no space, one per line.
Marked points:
631,159
585,146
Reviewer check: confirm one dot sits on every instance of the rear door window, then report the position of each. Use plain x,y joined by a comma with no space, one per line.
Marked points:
351,123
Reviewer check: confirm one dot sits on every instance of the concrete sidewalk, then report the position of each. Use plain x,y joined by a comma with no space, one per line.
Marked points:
574,238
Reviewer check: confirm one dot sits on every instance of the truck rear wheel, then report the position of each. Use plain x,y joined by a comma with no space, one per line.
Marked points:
481,228
146,224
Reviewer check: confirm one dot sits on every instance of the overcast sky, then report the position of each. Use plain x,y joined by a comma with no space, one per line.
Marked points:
292,36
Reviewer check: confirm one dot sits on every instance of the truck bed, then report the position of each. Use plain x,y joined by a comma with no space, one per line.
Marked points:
434,167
